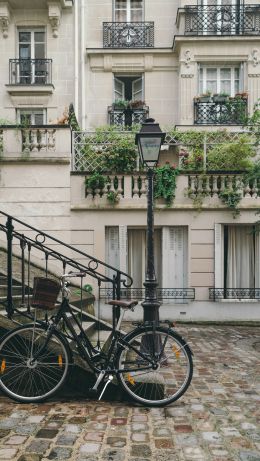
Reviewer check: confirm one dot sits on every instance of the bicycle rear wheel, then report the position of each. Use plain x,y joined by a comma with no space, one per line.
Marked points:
24,379
155,366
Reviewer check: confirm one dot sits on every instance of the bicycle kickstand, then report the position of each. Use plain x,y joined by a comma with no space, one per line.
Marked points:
109,379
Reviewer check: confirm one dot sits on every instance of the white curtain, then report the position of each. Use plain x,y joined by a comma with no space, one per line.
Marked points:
137,255
240,257
257,260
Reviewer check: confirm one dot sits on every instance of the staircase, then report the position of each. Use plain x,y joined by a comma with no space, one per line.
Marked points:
23,256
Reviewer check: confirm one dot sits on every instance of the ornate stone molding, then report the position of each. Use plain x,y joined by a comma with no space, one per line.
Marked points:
4,19
187,75
255,58
54,13
254,75
187,58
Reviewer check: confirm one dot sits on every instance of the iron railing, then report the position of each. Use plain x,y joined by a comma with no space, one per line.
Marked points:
128,34
216,294
30,71
231,112
127,117
163,294
31,248
222,20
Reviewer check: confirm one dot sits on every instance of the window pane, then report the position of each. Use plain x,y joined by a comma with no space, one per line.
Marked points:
24,51
225,86
39,37
39,51
211,74
136,15
120,4
225,73
237,72
136,3
25,37
120,16
38,119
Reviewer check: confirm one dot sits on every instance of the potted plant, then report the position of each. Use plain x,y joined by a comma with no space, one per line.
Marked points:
137,104
120,104
205,97
241,95
220,97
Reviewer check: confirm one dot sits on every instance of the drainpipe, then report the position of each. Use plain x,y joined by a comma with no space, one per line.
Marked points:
76,59
82,57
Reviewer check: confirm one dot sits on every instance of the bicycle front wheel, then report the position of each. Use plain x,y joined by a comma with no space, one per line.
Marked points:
24,378
154,366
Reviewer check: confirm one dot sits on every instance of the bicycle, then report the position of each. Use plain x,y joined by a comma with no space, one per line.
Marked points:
152,363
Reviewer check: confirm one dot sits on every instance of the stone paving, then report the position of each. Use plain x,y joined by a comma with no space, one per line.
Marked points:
216,420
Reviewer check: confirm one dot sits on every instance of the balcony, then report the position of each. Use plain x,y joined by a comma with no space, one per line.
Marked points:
165,295
30,71
127,117
128,34
221,20
35,143
233,111
218,294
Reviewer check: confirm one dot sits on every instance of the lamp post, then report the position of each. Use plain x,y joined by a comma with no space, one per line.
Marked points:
149,141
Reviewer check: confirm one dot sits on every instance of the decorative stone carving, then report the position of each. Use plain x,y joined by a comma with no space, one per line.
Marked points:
255,58
187,75
187,58
54,14
4,19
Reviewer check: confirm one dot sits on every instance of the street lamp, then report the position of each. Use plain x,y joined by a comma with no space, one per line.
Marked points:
149,141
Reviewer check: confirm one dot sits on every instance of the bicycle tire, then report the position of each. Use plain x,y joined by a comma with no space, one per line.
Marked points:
23,380
173,363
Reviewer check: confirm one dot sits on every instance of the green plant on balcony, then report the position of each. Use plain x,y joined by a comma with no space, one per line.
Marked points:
165,182
113,197
220,97
96,181
232,156
231,197
120,156
120,104
204,97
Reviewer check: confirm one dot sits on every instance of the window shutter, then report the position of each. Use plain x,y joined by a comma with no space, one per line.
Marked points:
174,257
137,89
119,89
112,248
219,262
123,248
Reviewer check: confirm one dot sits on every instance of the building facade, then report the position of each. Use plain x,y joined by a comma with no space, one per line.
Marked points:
192,66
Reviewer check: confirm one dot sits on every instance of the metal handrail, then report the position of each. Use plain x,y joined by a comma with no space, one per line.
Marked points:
29,71
93,268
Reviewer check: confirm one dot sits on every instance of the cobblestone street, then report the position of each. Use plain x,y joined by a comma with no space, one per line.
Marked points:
216,420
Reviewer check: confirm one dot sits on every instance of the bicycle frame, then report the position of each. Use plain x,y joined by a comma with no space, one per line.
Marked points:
88,351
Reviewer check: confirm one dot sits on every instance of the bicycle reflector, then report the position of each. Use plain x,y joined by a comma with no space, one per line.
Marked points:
60,360
3,365
176,352
130,379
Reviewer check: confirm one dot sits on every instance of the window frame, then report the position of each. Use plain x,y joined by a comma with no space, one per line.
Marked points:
128,11
202,83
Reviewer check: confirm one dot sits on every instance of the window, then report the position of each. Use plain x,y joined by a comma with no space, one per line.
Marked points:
31,116
31,51
126,249
241,257
128,87
219,79
128,10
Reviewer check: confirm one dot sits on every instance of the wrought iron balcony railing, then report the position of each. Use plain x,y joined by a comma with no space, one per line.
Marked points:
231,112
163,294
222,20
128,34
127,117
216,294
30,71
